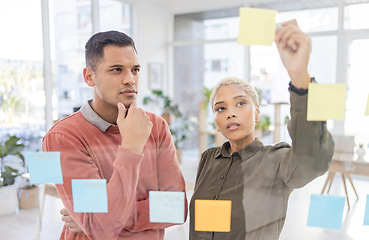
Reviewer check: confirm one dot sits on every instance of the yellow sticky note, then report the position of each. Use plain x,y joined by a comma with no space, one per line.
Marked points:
326,101
257,26
367,107
213,215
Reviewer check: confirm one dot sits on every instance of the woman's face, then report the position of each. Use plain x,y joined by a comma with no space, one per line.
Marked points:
235,114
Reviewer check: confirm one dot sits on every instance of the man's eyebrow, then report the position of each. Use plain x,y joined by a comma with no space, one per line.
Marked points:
119,65
116,65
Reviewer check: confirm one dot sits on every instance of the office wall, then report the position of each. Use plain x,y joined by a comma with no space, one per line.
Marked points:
152,24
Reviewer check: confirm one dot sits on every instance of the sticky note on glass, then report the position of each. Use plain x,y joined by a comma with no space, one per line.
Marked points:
44,167
257,26
89,195
326,211
366,215
213,215
367,107
166,207
326,101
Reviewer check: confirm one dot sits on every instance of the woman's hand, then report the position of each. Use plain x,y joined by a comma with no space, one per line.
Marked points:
294,48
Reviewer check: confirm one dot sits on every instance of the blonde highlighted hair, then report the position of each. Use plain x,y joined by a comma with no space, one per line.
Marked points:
247,87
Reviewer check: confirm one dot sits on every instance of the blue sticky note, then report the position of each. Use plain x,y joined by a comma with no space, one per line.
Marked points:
326,211
89,195
166,207
44,167
366,215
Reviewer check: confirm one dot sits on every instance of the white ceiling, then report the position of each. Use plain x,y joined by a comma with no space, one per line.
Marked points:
188,6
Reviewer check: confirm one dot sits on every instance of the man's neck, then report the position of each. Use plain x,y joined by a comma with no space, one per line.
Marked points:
107,113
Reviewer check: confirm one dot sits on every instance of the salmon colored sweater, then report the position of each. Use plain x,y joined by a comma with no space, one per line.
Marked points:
90,149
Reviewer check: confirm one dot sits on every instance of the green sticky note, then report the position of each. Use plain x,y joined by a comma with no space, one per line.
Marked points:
326,101
89,195
257,26
367,107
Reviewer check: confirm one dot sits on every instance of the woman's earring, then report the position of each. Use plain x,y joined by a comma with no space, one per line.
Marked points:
218,130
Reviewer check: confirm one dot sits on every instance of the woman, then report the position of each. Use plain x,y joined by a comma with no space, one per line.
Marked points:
258,179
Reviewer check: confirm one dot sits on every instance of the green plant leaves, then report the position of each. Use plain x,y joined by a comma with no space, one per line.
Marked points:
10,147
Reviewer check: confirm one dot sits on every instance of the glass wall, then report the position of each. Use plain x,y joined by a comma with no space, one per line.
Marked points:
215,32
213,36
358,91
22,96
200,65
72,27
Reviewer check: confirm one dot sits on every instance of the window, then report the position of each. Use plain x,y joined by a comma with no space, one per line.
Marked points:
356,16
115,15
69,41
357,91
22,96
313,20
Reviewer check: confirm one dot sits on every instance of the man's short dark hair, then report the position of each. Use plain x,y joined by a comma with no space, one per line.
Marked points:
94,49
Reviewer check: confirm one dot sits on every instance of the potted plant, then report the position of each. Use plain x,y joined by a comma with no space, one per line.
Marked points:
262,127
28,193
28,196
8,190
179,127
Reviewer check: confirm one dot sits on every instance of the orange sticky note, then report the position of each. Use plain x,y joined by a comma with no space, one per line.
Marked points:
367,107
326,101
257,26
213,215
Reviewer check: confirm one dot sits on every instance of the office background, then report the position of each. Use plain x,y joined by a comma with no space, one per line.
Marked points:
184,48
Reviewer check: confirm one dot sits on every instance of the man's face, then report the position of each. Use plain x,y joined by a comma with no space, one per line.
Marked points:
116,77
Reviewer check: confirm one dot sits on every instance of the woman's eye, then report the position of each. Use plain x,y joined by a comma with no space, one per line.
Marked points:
136,70
220,109
240,104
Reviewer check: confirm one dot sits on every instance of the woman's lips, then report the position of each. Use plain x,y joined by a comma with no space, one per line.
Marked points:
233,126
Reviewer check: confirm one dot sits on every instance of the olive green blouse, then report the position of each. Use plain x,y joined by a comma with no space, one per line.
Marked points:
258,179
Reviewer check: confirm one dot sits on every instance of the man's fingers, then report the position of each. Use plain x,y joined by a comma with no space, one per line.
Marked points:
74,230
133,105
67,219
121,109
64,212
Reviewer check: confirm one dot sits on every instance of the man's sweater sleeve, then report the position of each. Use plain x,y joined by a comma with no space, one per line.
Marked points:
75,161
170,178
312,146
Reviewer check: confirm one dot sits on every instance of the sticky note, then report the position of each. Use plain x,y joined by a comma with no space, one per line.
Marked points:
213,215
326,101
166,207
44,167
89,195
367,107
326,211
257,26
366,215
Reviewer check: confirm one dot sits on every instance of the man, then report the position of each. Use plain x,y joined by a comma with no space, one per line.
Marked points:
111,138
